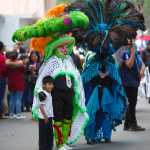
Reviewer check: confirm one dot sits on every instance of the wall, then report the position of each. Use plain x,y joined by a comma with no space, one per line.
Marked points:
7,27
21,16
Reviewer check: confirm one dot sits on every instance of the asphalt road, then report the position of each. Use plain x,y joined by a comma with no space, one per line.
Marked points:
23,134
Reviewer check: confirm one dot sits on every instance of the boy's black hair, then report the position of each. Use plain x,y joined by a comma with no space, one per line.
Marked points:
47,79
42,96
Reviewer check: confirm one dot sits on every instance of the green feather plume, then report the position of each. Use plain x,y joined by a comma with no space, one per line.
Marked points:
52,26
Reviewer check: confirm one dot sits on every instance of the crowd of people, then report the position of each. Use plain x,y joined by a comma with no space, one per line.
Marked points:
18,74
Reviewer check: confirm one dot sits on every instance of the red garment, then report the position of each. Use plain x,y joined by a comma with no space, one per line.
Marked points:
16,79
2,64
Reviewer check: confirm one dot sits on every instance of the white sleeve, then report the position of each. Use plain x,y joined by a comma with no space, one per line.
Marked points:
42,103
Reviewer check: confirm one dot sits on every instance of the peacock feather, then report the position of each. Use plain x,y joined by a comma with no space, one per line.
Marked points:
112,22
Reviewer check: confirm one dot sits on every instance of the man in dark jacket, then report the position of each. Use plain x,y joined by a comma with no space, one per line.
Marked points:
132,70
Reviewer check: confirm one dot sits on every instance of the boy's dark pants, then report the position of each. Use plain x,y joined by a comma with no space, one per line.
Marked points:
45,135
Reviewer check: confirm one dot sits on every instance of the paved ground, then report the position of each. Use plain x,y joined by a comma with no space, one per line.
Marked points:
22,134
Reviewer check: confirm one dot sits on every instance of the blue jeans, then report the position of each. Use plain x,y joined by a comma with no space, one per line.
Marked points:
2,92
15,102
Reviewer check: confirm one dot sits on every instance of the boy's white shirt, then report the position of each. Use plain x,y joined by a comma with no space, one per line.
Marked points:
48,106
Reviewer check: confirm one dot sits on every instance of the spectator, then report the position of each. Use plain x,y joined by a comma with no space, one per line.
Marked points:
2,76
132,69
15,74
146,60
19,48
146,55
31,73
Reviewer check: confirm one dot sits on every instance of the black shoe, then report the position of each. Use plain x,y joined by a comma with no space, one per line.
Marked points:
136,128
107,140
91,142
126,128
149,100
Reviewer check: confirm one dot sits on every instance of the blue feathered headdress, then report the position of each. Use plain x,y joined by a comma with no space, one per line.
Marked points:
112,22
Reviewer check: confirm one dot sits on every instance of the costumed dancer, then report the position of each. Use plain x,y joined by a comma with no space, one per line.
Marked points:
111,23
70,115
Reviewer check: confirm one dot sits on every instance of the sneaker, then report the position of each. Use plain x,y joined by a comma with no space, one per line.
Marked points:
62,148
12,116
6,116
67,147
19,116
136,128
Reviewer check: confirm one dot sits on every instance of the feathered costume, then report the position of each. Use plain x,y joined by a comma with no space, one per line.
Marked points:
112,22
50,35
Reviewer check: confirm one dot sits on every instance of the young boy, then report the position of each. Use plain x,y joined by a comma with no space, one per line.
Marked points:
46,114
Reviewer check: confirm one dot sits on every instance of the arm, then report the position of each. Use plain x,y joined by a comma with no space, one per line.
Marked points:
43,113
142,70
12,64
130,62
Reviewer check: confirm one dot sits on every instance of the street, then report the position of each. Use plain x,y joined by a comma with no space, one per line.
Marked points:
23,134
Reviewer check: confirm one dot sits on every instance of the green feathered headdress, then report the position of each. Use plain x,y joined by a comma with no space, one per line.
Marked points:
52,27
55,28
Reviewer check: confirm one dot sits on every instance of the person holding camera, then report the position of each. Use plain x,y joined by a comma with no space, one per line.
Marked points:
131,70
15,75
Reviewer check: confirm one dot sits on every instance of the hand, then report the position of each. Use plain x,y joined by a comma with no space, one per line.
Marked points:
46,120
33,72
103,75
132,50
25,61
30,67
